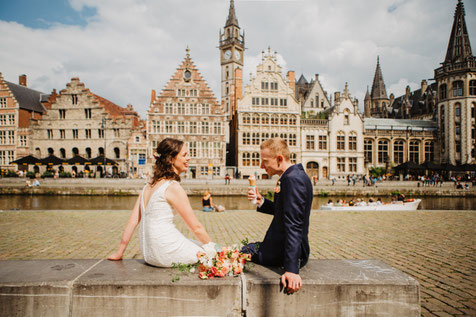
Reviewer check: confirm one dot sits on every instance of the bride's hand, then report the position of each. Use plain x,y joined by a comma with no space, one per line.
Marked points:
115,257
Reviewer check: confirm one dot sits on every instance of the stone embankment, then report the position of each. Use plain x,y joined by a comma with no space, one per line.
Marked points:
126,187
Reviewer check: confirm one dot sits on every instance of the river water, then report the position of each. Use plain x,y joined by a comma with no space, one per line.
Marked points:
32,202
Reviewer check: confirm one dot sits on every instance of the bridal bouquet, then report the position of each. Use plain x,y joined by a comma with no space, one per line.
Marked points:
219,261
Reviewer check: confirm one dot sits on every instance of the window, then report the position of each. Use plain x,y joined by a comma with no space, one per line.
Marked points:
310,143
203,170
458,146
341,164
62,114
156,126
23,140
3,137
255,139
255,159
3,119
284,120
246,119
414,151
274,86
205,128
429,151
292,120
169,108
217,149
74,99
246,138
217,128
443,92
382,151
75,133
181,127
117,152
62,134
341,141
264,101
274,120
457,128
181,108
101,133
216,170
293,158
87,113
169,126
317,100
264,137
88,133
352,164
193,108
246,157
472,87
137,139
292,139
192,148
283,102
255,118
11,137
117,132
6,157
458,110
265,119
50,133
264,85
255,101
62,153
205,150
346,117
398,151
11,119
323,142
88,152
353,142
368,145
3,102
193,127
457,88
205,109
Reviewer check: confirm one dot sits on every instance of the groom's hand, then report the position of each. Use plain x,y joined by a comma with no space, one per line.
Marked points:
291,281
254,193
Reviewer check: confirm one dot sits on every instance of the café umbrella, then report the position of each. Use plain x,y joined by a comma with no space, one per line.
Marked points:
78,160
52,160
100,160
27,160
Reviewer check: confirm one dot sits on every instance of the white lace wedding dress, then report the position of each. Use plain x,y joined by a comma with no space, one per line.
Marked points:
160,241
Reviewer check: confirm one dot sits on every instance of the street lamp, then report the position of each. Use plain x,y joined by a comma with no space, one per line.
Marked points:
103,126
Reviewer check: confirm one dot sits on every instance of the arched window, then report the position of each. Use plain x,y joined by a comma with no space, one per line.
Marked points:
293,158
246,159
246,119
458,88
284,120
88,152
63,153
255,139
398,151
38,152
292,120
117,152
265,119
346,116
75,151
443,90
472,87
264,137
274,120
368,148
246,138
415,151
382,151
256,118
255,159
51,151
100,151
429,151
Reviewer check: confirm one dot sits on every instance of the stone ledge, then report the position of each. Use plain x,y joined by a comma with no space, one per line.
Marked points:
101,287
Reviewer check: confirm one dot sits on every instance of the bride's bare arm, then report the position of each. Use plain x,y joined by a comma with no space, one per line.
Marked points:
134,219
178,199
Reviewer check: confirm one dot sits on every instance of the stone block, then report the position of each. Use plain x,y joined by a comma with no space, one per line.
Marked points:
38,288
132,288
334,288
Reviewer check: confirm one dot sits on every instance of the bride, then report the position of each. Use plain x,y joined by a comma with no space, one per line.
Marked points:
160,241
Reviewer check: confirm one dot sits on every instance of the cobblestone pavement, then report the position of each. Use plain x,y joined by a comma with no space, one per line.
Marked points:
435,247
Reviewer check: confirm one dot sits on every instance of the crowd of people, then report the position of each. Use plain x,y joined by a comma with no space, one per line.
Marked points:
398,199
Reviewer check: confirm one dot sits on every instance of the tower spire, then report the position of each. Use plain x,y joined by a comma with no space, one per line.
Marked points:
378,87
232,20
459,48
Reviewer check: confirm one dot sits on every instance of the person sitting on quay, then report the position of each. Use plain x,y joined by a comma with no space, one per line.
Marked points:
362,203
379,201
36,182
207,202
330,203
351,202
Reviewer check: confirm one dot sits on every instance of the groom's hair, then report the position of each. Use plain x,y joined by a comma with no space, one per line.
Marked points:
277,146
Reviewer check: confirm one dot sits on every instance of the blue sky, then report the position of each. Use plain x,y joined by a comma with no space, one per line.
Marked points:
42,14
122,49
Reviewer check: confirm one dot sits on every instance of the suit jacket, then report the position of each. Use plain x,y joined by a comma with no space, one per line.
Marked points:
286,242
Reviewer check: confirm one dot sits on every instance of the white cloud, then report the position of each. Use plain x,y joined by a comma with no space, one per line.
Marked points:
133,46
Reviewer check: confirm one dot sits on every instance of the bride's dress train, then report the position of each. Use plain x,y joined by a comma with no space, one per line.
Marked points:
160,241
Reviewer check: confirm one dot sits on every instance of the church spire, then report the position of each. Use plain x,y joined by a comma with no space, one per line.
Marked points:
459,48
378,87
232,20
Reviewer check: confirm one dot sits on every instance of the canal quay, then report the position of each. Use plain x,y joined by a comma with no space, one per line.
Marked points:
436,247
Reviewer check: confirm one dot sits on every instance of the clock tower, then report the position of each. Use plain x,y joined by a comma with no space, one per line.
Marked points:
232,46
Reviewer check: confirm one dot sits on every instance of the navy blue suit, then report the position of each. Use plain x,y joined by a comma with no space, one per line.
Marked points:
286,243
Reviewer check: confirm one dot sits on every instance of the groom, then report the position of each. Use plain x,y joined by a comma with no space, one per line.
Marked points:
286,243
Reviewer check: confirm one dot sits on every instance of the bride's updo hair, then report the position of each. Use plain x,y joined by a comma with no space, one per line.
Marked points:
165,154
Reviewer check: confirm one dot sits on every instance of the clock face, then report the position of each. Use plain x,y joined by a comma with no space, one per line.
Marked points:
187,74
237,55
228,54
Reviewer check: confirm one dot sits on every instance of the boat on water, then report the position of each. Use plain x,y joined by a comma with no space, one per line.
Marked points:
397,206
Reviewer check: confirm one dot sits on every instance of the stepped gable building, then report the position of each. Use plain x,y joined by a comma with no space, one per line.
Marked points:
376,104
188,110
311,96
268,109
419,104
18,105
332,147
79,122
456,80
